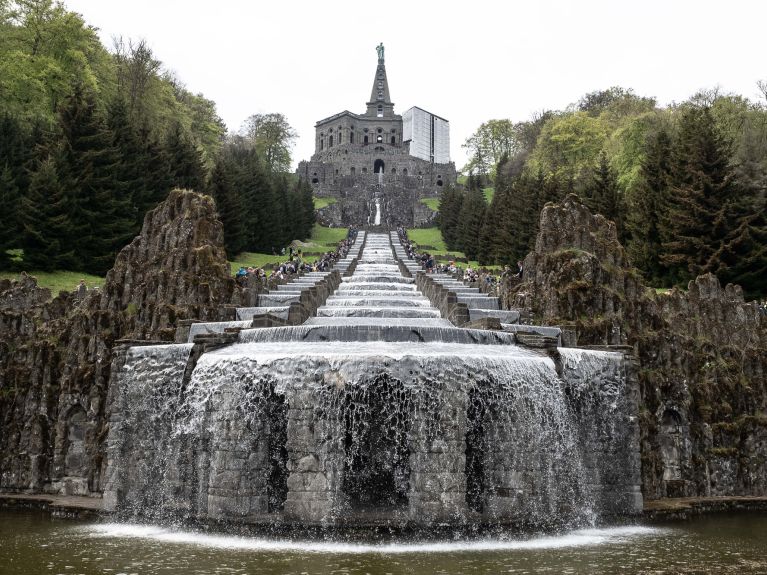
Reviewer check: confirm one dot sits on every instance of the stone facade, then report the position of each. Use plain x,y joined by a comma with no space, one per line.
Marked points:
361,157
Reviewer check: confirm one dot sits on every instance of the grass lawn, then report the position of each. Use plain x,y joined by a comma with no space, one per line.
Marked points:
320,203
428,237
489,193
59,280
322,240
327,237
431,203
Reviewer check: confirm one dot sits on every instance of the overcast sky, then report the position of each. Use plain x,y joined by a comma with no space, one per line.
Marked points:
466,61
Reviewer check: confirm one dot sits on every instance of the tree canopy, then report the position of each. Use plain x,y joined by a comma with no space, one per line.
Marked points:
686,184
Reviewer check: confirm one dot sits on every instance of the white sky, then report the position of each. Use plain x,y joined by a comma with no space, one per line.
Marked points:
466,61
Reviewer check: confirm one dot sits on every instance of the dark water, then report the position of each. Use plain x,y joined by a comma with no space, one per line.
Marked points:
32,543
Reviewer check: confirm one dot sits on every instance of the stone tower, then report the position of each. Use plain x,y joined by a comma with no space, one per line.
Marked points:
376,161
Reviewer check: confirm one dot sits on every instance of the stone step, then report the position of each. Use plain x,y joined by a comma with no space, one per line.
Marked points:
247,313
478,302
504,316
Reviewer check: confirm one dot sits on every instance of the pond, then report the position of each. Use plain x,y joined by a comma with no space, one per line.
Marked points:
32,543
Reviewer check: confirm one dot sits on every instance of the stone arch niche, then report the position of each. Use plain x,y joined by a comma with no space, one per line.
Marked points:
377,420
673,436
476,449
378,166
74,458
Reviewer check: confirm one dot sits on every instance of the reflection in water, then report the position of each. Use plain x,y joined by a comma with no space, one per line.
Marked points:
32,543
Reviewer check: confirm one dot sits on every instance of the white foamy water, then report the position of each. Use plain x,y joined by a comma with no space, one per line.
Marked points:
338,350
578,538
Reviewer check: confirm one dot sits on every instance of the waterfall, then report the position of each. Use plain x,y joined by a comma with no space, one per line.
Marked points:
375,408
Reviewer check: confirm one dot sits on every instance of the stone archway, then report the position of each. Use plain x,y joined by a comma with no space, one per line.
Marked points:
378,166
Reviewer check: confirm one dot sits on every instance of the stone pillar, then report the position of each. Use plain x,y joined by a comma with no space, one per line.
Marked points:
239,460
438,462
314,461
113,488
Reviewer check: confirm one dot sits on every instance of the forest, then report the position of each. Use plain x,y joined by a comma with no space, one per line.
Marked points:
685,184
92,137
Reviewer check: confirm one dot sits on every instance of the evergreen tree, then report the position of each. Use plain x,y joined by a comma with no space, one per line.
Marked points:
156,166
306,200
9,199
449,216
470,222
46,224
743,259
703,201
602,195
88,167
229,205
646,205
186,165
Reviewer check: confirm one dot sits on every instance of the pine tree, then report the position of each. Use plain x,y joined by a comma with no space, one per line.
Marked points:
13,182
306,199
46,224
703,200
9,200
647,203
88,167
229,205
186,166
449,216
743,259
470,222
129,170
603,196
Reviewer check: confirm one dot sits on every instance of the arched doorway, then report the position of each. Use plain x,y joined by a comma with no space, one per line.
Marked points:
378,166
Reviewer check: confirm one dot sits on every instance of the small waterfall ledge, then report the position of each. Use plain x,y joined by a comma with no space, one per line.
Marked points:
364,416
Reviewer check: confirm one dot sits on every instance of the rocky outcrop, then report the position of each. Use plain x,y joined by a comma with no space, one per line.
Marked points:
55,356
702,353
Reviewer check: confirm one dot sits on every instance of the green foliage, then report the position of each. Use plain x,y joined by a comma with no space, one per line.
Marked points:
449,215
602,194
470,220
492,140
703,198
685,185
569,145
261,210
646,204
273,138
89,141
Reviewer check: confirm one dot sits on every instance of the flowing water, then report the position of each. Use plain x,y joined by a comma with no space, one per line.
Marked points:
375,412
31,543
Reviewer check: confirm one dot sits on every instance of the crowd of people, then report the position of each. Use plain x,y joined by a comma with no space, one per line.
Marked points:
297,262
